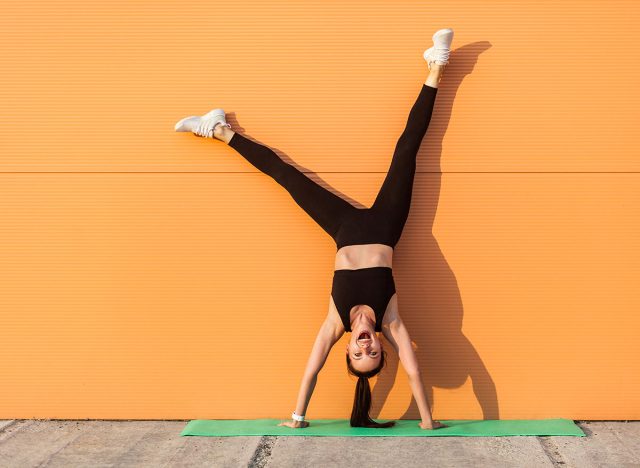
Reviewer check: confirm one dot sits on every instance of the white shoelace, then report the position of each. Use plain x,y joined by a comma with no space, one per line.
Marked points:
206,127
441,55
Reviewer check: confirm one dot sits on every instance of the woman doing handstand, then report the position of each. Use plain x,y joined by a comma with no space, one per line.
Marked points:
363,297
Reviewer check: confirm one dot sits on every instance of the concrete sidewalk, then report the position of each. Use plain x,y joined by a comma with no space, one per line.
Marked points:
81,443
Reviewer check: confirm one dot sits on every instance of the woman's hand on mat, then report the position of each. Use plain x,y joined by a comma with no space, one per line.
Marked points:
293,423
432,425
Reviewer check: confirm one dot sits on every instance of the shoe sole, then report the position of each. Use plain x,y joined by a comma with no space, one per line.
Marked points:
215,112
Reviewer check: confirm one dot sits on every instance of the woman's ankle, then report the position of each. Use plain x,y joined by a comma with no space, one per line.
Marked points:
223,133
220,131
435,75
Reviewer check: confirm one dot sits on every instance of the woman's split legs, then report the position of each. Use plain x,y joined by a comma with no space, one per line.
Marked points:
324,207
328,209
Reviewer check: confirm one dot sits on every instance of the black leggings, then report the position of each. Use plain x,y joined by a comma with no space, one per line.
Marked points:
346,224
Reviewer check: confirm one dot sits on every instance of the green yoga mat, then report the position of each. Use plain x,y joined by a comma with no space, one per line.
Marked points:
403,428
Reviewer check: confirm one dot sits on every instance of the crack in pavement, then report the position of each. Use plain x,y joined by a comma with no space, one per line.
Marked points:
263,452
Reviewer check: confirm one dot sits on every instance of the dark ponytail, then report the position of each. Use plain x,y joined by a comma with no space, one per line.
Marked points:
362,399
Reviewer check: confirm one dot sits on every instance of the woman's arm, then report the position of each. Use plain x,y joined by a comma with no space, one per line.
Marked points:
396,333
328,335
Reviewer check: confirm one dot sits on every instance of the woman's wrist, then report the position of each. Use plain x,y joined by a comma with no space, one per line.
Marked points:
297,417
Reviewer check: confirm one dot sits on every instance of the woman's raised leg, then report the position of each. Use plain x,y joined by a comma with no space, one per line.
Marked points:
324,207
394,198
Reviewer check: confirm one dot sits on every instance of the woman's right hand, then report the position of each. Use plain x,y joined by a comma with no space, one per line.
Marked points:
294,423
433,425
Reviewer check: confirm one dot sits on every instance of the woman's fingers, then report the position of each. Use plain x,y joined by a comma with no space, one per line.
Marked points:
433,425
294,424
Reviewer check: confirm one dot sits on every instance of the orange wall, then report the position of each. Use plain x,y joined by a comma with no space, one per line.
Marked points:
152,274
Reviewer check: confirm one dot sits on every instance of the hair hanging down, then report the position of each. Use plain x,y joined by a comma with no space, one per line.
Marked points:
362,400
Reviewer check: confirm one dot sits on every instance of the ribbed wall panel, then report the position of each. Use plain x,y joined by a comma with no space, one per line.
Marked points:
199,295
150,274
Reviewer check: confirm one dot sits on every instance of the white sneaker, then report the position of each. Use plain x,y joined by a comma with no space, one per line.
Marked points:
439,53
203,125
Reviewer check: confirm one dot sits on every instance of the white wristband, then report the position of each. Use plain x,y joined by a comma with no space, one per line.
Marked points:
297,417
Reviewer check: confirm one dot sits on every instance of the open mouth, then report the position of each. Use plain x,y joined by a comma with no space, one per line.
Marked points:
364,336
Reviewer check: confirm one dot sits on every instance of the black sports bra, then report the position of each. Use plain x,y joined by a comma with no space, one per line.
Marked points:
372,286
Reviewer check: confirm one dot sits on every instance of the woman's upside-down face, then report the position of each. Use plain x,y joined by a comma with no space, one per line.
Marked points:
364,348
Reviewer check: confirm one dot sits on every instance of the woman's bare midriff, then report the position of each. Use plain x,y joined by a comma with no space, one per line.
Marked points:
353,257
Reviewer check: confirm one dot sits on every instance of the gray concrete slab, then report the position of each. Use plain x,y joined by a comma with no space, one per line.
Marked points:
408,452
118,443
608,444
6,422
70,443
628,433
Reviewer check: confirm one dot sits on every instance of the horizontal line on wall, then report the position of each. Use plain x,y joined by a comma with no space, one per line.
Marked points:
318,172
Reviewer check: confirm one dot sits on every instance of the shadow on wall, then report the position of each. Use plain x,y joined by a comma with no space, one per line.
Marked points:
434,311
